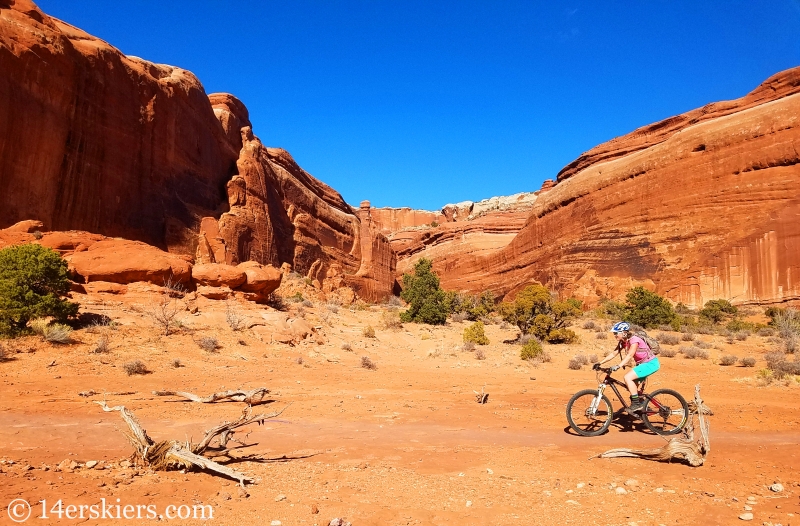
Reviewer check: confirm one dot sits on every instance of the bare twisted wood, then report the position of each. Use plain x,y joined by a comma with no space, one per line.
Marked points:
252,397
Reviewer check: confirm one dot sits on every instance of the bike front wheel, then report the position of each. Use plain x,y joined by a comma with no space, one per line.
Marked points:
587,415
665,412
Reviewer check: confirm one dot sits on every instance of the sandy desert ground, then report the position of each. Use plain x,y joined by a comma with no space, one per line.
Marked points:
403,444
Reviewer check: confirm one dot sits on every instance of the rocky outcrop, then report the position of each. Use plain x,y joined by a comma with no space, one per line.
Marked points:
122,261
700,206
93,140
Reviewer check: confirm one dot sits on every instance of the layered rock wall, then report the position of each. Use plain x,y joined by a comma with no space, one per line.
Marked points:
701,206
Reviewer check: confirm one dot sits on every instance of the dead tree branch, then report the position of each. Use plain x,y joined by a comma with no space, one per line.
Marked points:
173,454
684,448
252,397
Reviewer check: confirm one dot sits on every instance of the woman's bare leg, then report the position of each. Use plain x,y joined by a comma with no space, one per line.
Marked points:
629,378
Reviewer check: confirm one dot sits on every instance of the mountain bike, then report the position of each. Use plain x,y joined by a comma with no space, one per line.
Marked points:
589,412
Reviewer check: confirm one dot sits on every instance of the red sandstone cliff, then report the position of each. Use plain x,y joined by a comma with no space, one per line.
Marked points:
93,140
700,206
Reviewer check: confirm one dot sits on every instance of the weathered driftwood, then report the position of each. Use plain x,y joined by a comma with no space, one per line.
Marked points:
252,397
481,397
684,447
173,454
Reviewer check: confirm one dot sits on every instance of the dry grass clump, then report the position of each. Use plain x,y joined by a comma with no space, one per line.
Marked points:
702,345
101,346
458,317
741,335
52,333
705,329
578,361
347,347
687,336
694,353
306,303
390,320
765,331
333,307
176,363
480,355
668,353
593,358
468,346
208,343
667,339
276,301
135,367
747,361
368,332
601,335
589,324
234,317
299,360
4,354
394,301
366,363
728,360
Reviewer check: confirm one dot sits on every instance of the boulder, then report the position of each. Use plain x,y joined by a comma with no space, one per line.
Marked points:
28,226
215,293
216,275
123,261
263,279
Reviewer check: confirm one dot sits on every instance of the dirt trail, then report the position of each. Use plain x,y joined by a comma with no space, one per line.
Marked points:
403,444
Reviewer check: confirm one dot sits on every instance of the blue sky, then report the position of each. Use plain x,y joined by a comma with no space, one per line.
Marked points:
419,104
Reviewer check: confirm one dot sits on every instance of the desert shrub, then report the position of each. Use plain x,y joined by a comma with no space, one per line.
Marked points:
346,347
728,360
208,343
394,301
459,317
687,337
176,363
479,354
741,335
747,362
781,369
299,360
391,320
368,332
475,334
135,367
276,301
468,346
306,303
668,353
765,332
694,353
715,311
332,307
647,309
163,309
667,339
297,297
589,324
234,317
577,362
601,335
33,283
593,358
535,312
774,357
366,363
704,329
531,350
101,346
738,325
613,309
424,296
51,332
702,345
682,308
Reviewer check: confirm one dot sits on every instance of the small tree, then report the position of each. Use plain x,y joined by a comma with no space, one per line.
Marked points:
535,312
33,283
475,333
715,311
425,298
648,309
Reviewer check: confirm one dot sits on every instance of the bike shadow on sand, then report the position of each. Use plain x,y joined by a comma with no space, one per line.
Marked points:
624,423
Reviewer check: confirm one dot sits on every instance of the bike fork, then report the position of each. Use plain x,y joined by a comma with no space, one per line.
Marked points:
597,398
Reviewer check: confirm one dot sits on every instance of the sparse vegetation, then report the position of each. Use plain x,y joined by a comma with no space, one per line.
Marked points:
234,317
577,362
164,309
531,350
347,347
702,345
135,367
765,332
332,307
668,353
299,360
176,363
276,301
475,334
368,332
390,320
728,360
101,346
535,312
468,346
716,311
687,337
479,354
208,343
593,358
601,336
424,296
366,363
647,309
747,361
307,303
51,332
589,325
469,307
694,353
667,339
33,283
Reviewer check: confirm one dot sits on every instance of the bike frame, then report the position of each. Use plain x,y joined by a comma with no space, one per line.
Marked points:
608,380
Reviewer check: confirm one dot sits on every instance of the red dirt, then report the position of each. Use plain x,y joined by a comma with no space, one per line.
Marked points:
403,444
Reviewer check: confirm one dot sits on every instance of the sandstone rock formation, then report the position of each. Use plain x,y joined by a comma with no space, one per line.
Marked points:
700,206
122,261
93,140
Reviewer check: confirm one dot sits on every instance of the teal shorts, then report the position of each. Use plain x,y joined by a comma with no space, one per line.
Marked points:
644,370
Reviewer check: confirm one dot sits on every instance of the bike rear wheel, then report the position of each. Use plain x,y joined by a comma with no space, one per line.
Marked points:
585,421
665,412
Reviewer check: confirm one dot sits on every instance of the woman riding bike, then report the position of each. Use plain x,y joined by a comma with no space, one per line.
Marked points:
636,350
